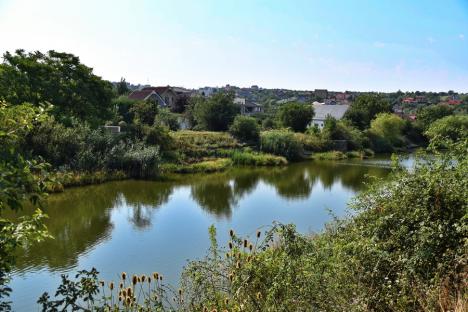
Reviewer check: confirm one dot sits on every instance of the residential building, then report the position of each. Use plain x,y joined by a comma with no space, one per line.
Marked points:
207,91
322,111
248,107
164,96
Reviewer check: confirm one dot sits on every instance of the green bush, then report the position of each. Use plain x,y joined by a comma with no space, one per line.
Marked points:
450,128
332,155
245,129
296,116
168,119
215,113
282,143
386,132
312,142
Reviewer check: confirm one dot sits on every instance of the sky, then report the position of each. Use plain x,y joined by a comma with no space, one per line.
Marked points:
362,45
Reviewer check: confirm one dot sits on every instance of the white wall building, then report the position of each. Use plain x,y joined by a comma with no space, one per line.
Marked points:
322,111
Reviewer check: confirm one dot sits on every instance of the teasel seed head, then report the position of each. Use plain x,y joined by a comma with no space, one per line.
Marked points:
143,278
245,243
258,234
231,232
249,258
228,254
138,279
149,280
121,285
205,309
128,301
231,277
180,292
250,247
111,285
214,310
259,296
134,279
160,277
230,245
101,283
156,275
226,301
129,292
124,276
120,298
238,265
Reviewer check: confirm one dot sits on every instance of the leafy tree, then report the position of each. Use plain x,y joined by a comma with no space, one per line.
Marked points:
56,78
181,103
365,108
296,116
168,119
123,106
427,115
144,112
20,181
215,113
245,129
122,87
386,131
450,128
342,130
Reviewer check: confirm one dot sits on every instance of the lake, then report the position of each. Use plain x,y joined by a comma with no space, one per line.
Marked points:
146,226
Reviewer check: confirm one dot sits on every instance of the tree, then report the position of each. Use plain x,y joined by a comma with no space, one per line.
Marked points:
56,78
245,129
20,181
122,87
296,116
450,128
427,115
144,112
365,108
215,113
386,132
166,118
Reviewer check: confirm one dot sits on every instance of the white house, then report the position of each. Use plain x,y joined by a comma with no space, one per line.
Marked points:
322,111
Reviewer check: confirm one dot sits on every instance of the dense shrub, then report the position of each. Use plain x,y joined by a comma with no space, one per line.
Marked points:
245,129
269,124
386,132
334,130
282,143
312,142
168,119
365,108
135,160
451,128
203,143
215,113
296,116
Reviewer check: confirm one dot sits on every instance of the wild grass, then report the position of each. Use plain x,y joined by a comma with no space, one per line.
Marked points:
206,166
257,159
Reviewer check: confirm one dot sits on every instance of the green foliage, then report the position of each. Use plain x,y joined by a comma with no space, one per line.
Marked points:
123,105
296,116
312,142
245,129
450,128
21,181
365,108
215,113
144,112
427,115
213,165
56,78
342,130
257,159
269,124
122,87
167,119
282,143
386,132
332,155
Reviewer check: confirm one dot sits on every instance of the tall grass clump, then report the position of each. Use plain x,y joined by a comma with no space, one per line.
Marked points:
257,159
281,142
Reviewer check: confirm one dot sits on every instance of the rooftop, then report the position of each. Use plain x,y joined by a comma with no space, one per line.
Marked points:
335,111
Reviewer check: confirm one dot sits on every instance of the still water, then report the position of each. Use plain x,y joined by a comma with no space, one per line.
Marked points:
146,226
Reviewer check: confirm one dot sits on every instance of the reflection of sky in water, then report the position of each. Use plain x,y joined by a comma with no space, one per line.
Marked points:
142,226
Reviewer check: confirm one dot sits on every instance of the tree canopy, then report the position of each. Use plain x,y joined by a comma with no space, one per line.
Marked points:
296,116
55,78
215,113
365,108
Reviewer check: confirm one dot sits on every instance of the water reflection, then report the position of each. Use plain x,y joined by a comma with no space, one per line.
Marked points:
80,218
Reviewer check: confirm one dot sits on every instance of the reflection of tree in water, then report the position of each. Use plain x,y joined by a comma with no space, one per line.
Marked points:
143,197
78,219
217,197
291,183
350,174
245,182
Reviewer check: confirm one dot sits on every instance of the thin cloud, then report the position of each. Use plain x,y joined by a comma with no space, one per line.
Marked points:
379,44
431,40
461,36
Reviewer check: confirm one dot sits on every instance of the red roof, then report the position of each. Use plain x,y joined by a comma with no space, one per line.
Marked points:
140,95
454,102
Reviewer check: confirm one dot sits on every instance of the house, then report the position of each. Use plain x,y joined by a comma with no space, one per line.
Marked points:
321,93
322,111
330,102
207,91
164,96
408,100
248,107
454,102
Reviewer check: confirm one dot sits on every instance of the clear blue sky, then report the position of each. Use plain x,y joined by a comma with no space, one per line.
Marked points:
340,45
